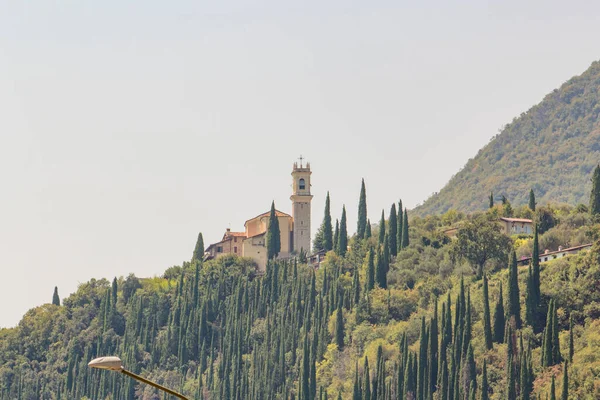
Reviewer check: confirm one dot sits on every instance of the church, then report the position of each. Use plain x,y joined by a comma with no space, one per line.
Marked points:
294,229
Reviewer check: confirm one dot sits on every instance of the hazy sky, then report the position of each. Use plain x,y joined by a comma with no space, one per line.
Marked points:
128,127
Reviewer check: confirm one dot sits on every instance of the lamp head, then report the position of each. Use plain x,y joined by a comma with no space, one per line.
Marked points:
110,363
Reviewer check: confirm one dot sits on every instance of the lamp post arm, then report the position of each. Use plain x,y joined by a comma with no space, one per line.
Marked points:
156,385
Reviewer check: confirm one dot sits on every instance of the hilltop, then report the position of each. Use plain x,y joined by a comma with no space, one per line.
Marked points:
374,321
551,148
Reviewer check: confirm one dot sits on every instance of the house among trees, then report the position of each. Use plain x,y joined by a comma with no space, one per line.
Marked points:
514,226
294,230
560,253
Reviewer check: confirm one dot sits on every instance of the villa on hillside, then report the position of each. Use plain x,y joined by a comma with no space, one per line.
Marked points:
513,226
510,226
294,229
553,255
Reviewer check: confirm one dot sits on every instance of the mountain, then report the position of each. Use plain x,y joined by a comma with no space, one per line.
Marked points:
551,148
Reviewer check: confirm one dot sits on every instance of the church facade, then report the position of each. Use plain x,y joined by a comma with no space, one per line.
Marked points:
294,229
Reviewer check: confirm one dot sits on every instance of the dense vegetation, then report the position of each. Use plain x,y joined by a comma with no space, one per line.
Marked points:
555,144
403,312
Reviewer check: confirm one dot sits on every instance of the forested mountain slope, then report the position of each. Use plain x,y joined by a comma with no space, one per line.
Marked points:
551,148
391,316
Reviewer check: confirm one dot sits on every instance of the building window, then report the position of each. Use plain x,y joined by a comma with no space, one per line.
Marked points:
219,249
235,249
235,239
301,184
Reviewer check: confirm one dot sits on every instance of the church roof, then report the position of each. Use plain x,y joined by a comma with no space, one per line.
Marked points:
266,214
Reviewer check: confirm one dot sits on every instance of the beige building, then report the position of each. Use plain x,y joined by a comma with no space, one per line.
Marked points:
513,226
294,229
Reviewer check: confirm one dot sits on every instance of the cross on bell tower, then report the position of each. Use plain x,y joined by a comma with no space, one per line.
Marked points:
301,199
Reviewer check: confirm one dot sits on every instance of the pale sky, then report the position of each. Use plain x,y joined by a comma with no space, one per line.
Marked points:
128,127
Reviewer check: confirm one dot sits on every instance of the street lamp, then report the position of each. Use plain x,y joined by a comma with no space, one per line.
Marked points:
115,364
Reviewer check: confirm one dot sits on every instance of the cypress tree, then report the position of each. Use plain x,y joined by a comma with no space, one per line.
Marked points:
324,237
552,389
531,200
499,320
55,298
487,323
199,249
565,382
336,236
368,233
366,395
595,194
343,235
557,358
524,384
356,394
491,200
511,391
400,225
382,227
393,231
339,328
535,263
571,341
530,306
362,212
514,304
371,270
484,383
381,274
273,235
356,287
405,230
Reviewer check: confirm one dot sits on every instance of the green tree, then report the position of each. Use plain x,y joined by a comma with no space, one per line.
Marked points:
513,308
362,212
484,383
491,200
552,389
571,339
368,233
531,200
381,272
324,237
565,382
487,323
343,235
336,236
511,391
400,224
273,235
595,194
382,227
393,231
499,319
199,249
55,298
479,241
405,230
339,328
371,270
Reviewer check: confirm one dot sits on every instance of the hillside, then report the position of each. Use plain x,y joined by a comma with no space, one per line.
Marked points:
551,148
367,324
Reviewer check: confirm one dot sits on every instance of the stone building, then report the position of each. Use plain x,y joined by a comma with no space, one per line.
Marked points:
294,229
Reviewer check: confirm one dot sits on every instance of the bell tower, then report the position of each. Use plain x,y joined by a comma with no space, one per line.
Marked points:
301,199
